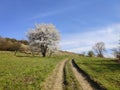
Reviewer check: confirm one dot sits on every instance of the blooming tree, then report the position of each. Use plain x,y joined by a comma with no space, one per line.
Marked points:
44,38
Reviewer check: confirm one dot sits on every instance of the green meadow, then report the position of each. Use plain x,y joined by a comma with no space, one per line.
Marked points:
23,72
105,71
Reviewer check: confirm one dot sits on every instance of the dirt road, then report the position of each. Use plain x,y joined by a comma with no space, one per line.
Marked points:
56,79
85,85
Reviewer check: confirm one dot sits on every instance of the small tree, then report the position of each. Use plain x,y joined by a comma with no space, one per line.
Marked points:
44,37
90,53
116,51
99,48
16,47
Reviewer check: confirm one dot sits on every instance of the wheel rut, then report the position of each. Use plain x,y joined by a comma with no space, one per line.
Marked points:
55,81
85,85
65,76
84,79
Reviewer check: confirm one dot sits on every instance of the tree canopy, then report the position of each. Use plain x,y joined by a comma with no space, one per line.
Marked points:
99,48
44,38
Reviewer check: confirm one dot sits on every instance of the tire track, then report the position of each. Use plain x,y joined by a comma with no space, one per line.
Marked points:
84,79
85,85
58,78
55,81
70,81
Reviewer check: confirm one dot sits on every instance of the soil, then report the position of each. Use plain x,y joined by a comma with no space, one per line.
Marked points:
55,80
85,85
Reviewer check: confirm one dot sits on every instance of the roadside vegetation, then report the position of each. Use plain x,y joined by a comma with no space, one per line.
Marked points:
24,72
104,71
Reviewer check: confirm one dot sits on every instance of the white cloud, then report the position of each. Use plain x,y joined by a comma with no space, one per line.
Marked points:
45,14
51,13
80,42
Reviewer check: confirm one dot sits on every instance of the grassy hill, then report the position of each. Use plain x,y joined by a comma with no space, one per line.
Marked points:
25,72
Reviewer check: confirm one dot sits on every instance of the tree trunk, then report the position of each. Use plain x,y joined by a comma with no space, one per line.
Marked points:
44,50
44,54
15,52
32,53
50,54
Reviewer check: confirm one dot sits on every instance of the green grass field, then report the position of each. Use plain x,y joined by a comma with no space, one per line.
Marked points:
104,71
24,72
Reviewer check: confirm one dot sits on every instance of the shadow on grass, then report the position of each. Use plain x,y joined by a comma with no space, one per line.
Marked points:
112,67
108,61
109,65
26,56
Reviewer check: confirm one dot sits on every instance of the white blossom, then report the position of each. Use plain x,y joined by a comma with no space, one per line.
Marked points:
44,37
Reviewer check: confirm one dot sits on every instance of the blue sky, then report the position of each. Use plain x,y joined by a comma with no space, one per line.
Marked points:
81,23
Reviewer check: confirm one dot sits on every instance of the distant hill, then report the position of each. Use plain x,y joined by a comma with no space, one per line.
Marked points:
11,44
